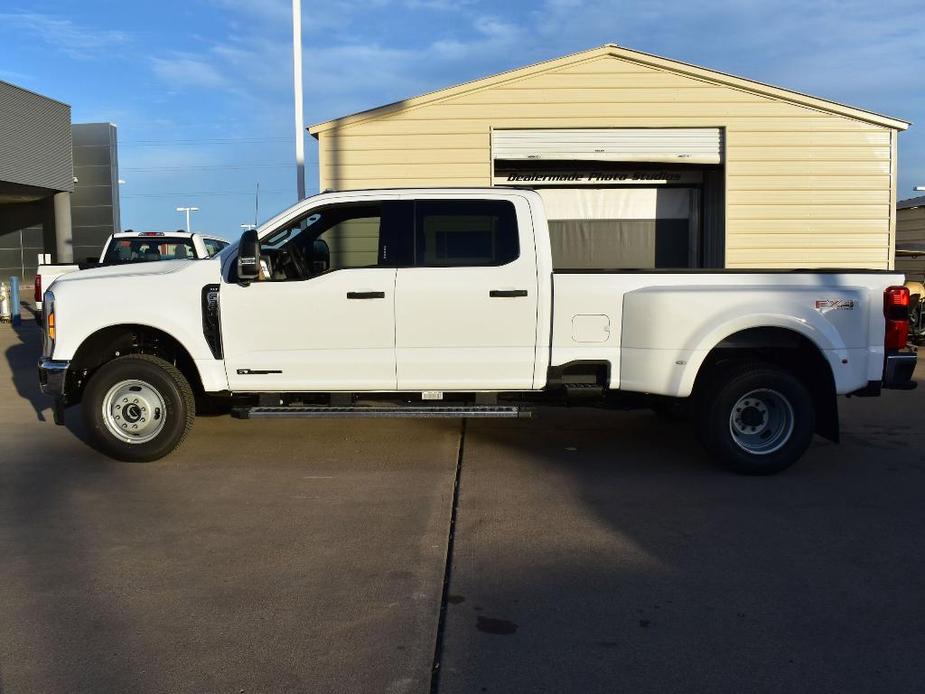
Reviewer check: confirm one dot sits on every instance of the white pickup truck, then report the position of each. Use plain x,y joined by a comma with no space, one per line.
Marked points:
446,302
133,247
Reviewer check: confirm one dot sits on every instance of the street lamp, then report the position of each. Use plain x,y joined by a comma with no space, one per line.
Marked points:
920,188
297,95
187,210
248,227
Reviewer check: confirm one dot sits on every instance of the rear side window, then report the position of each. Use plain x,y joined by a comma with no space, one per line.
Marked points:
465,233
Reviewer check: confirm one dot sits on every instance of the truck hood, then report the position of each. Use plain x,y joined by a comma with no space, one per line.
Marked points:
161,267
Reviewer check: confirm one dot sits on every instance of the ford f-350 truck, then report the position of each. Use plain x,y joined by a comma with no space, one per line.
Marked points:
447,302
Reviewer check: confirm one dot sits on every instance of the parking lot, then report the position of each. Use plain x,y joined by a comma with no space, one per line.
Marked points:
591,551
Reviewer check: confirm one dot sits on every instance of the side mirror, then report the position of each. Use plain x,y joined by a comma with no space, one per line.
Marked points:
321,257
249,256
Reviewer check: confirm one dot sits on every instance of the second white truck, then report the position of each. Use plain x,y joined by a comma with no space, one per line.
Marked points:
133,247
447,302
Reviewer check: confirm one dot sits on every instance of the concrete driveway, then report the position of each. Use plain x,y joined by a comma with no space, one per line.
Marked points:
591,551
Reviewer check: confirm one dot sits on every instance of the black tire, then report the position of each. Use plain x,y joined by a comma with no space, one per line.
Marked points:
172,406
755,418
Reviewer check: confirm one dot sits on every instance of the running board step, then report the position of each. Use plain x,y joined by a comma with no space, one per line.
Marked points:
410,411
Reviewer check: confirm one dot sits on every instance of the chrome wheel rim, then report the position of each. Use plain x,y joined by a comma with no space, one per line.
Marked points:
133,411
761,421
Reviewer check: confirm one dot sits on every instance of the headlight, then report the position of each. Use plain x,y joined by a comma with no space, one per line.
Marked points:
48,306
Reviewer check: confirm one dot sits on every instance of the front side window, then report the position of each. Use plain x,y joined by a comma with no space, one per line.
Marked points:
459,233
339,237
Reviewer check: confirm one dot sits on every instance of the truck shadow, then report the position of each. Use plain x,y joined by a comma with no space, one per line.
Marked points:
23,356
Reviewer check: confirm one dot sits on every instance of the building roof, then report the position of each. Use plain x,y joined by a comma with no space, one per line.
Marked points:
610,49
910,203
29,91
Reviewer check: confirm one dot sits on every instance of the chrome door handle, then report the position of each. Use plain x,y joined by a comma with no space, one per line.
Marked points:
365,295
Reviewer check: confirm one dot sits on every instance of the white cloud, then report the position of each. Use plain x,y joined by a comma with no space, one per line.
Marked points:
75,40
182,70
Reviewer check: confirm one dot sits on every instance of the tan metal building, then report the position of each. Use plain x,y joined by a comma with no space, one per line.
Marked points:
681,165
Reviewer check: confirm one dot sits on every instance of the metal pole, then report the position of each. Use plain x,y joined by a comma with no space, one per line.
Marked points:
297,89
188,210
257,205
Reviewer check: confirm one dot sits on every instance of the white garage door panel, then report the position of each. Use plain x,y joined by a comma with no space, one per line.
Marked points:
616,203
658,145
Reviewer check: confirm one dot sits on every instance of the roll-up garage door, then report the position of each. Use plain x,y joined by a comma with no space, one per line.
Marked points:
656,145
622,228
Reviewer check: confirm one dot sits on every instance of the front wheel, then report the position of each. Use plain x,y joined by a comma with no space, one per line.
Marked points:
757,419
138,408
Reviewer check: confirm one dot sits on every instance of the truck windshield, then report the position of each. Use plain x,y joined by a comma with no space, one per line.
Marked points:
148,249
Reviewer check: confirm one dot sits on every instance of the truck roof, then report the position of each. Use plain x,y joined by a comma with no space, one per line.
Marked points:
179,233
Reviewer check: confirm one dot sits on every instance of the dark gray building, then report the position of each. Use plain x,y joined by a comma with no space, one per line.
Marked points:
36,179
58,183
95,200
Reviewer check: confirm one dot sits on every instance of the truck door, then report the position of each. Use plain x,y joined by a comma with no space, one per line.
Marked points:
466,311
331,327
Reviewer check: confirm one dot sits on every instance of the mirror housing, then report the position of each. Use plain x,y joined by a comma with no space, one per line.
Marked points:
249,256
321,256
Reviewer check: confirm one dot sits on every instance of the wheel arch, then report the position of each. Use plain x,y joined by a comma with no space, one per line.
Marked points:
114,341
786,348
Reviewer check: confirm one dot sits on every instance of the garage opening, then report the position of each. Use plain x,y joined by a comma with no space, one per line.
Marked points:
623,198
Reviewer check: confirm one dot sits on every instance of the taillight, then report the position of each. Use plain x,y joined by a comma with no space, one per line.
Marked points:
48,307
38,289
896,313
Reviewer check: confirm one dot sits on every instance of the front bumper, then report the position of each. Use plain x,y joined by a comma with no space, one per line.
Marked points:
897,370
52,376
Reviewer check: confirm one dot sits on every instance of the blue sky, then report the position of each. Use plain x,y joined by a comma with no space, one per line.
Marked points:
201,89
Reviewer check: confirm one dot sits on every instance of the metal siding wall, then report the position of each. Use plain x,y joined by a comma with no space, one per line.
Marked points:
35,140
804,188
910,226
95,201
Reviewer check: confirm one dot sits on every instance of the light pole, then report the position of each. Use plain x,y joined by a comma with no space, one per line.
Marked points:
187,210
297,90
920,188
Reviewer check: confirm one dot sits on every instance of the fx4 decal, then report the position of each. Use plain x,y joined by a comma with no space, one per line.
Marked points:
835,304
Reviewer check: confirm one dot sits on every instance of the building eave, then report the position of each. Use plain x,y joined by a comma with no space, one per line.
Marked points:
639,57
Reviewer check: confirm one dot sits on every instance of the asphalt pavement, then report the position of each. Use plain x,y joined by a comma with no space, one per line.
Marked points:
591,551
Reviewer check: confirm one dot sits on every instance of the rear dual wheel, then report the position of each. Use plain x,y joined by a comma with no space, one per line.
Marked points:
756,418
138,408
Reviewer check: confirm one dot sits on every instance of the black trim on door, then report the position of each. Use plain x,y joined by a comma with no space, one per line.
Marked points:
505,293
365,295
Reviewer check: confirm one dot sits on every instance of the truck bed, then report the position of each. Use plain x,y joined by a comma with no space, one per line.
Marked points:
654,328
